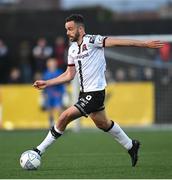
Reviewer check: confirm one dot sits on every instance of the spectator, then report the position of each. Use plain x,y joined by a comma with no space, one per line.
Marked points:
133,73
25,61
120,75
41,52
148,74
3,61
59,52
53,95
37,75
164,54
15,76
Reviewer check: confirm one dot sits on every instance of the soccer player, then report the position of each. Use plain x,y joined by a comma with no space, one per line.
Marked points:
53,95
86,59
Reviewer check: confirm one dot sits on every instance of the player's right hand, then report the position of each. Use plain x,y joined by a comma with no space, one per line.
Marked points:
40,84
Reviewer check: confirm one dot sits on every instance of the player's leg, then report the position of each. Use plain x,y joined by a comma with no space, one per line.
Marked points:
57,130
101,121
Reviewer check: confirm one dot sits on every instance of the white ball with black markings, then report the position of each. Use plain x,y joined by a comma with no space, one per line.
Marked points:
30,160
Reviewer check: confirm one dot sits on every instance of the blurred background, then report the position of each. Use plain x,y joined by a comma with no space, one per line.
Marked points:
140,79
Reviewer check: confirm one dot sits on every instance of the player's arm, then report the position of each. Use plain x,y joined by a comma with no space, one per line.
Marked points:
67,76
110,42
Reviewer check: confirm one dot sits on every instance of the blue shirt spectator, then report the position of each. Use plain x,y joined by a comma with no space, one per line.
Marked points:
53,95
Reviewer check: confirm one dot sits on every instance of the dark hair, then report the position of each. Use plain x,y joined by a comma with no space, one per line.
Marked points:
77,18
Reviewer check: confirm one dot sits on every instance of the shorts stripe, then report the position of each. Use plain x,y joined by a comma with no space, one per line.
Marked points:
81,110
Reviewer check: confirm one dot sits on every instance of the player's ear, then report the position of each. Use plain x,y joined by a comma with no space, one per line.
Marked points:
80,28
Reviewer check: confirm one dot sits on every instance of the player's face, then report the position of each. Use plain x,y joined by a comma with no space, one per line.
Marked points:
72,31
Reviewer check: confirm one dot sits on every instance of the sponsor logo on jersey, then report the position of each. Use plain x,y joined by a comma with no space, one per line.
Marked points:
82,56
84,48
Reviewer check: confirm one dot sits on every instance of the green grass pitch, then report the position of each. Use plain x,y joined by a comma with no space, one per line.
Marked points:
87,154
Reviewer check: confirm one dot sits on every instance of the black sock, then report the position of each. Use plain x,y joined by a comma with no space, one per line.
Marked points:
111,126
55,133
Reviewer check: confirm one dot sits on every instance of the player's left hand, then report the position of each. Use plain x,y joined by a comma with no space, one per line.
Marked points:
154,44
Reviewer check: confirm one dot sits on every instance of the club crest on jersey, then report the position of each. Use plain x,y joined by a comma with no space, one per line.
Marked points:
84,48
92,39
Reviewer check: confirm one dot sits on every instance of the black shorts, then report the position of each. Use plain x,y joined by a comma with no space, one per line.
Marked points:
89,102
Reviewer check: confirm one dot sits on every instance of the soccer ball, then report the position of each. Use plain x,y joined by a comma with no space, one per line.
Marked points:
30,160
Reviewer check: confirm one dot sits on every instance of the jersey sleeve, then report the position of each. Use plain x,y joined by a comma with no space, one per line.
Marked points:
98,40
70,59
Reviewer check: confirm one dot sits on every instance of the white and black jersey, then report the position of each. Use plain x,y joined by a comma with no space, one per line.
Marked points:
89,60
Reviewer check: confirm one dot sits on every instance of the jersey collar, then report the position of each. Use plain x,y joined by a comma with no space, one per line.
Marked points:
82,40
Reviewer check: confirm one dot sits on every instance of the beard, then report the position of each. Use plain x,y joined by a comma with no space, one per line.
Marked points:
75,37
